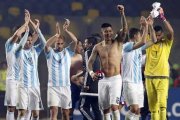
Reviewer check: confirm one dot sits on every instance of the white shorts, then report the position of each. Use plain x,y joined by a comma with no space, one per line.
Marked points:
133,94
29,99
109,90
59,96
11,94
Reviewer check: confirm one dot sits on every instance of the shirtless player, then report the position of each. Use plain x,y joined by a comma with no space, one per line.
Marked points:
109,52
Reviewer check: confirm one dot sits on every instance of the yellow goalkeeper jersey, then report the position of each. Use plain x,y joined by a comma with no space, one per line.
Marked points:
157,58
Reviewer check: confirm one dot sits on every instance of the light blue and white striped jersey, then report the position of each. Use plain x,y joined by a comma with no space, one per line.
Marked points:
131,63
58,64
13,68
28,63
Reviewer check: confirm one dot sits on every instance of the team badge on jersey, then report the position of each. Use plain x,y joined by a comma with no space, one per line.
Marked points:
30,60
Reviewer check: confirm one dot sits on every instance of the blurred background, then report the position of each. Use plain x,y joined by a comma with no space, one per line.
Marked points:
86,17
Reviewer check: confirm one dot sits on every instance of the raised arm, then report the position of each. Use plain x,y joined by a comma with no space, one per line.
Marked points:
167,25
17,34
42,41
24,38
122,33
20,30
144,27
35,33
52,40
151,30
153,38
72,36
90,63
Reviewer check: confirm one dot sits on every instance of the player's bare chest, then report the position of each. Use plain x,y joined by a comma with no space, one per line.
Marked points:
108,51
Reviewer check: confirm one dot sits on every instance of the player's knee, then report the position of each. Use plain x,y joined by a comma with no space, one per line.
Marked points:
154,110
114,107
65,112
22,113
11,109
153,107
53,111
163,109
135,110
35,114
106,111
162,104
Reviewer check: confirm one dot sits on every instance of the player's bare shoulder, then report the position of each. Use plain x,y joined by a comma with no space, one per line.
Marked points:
98,46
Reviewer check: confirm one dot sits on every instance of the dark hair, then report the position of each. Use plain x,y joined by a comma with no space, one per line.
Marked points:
92,40
158,28
30,34
105,25
79,41
133,31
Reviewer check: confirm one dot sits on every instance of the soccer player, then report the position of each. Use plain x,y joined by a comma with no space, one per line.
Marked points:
12,73
109,52
59,63
157,70
131,67
29,97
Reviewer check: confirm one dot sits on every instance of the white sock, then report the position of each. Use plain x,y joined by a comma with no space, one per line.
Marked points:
107,116
136,117
131,116
32,118
27,115
9,115
116,115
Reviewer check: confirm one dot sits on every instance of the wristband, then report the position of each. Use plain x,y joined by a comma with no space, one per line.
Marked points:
161,16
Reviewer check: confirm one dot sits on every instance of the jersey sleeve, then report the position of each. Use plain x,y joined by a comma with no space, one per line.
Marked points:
70,51
49,53
169,42
40,46
9,45
21,44
127,47
143,47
